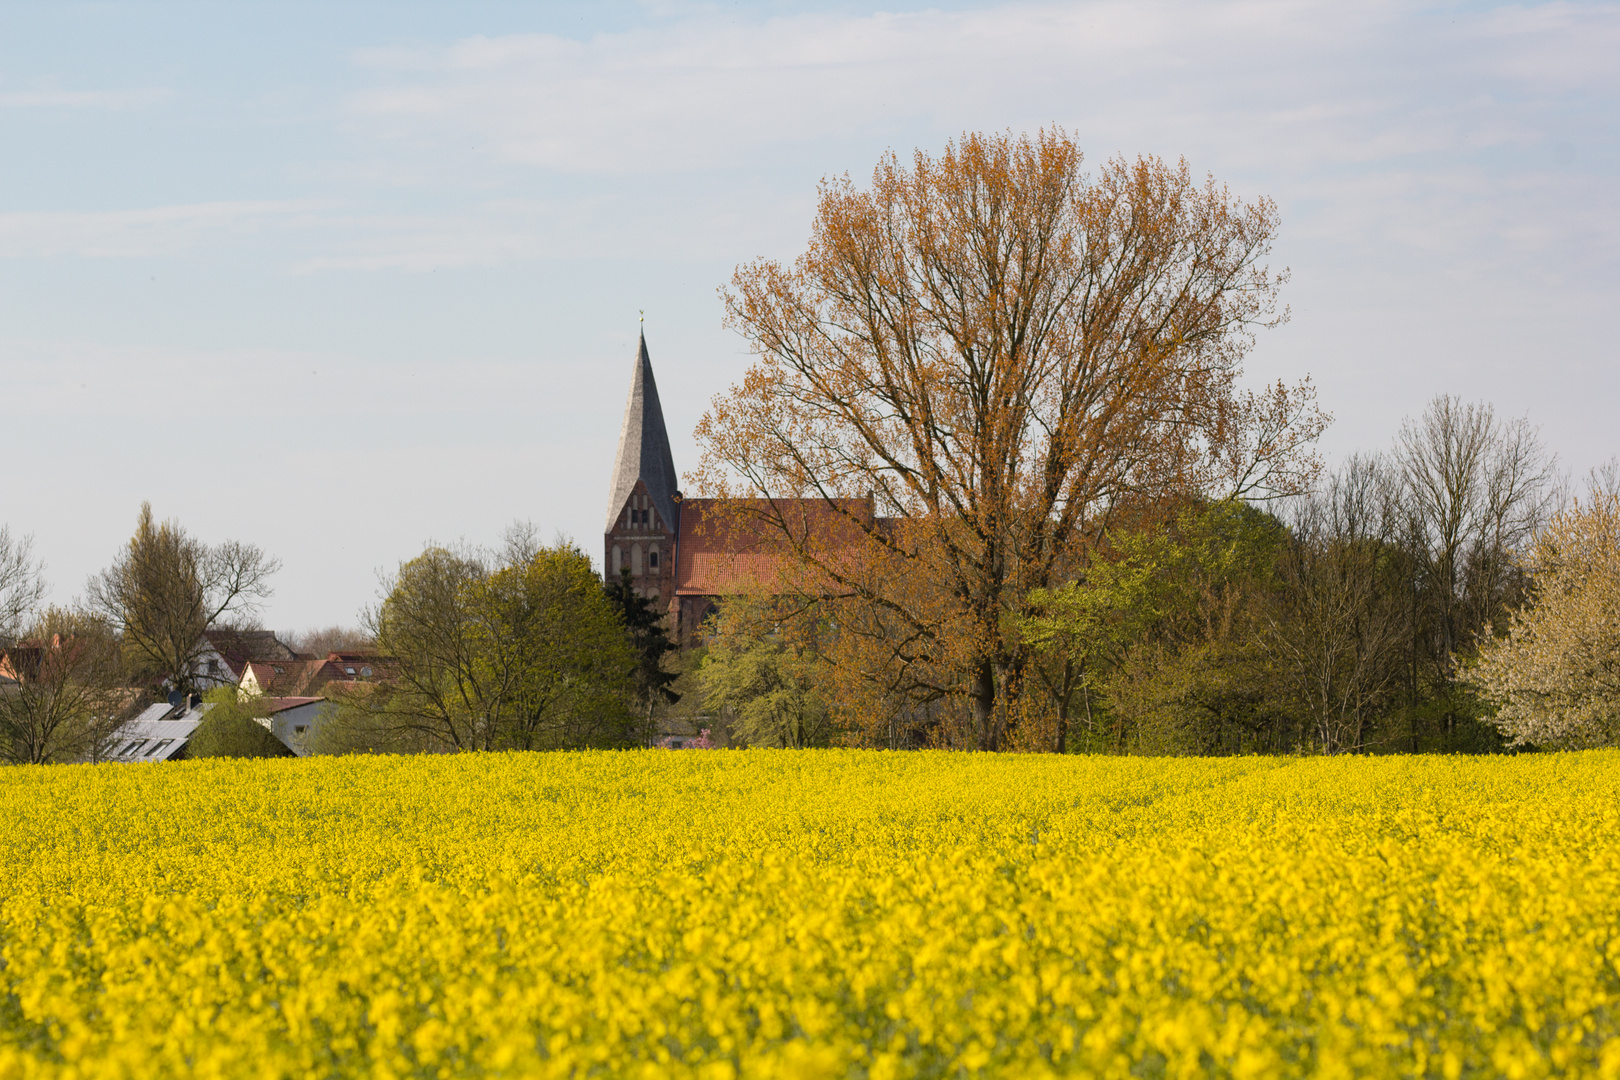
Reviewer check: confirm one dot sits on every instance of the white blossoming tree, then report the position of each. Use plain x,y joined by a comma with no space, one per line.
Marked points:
1555,677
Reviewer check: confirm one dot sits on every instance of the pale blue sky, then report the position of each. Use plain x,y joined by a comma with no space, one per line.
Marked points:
342,278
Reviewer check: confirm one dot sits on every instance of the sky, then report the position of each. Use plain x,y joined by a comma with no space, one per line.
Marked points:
341,280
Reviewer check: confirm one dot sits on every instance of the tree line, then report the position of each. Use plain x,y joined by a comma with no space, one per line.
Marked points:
1086,534
1376,613
1081,531
523,648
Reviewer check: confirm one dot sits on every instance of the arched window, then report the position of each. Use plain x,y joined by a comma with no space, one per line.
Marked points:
652,559
618,559
635,559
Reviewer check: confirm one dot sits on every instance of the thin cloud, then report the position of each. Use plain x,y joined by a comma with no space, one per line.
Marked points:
1421,128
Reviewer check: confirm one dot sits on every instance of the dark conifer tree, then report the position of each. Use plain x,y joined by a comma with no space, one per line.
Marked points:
645,626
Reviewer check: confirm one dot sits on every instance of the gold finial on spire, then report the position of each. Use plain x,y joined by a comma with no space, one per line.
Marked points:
643,316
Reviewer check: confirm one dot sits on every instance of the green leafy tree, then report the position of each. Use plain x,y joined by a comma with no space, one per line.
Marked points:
518,651
765,677
543,628
234,728
1081,628
1156,636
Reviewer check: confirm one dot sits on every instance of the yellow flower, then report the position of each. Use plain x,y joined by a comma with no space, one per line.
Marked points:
808,914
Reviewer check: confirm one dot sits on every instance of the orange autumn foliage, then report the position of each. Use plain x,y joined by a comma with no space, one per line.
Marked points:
999,349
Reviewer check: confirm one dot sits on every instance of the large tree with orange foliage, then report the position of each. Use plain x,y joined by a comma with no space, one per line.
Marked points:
1002,349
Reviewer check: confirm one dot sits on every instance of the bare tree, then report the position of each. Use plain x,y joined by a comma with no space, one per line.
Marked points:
167,588
61,689
1603,482
1476,489
1340,617
22,585
323,640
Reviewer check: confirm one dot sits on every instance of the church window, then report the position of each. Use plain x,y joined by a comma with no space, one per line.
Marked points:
618,559
652,559
635,559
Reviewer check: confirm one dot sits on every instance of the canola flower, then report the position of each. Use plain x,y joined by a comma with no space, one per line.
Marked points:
812,914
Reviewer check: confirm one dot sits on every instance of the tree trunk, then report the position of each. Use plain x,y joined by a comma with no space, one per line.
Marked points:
984,705
1063,707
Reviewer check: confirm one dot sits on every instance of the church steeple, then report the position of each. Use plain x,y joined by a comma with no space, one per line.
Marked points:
643,447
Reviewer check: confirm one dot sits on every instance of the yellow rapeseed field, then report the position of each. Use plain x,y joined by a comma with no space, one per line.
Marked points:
817,913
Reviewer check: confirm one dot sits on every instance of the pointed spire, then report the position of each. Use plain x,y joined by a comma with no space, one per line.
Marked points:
643,447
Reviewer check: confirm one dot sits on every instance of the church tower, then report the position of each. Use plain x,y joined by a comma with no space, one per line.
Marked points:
643,500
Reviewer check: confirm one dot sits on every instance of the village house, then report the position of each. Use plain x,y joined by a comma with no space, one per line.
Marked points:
225,654
298,693
160,733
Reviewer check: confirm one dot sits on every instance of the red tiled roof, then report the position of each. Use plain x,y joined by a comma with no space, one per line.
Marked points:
364,664
26,660
730,545
282,704
292,677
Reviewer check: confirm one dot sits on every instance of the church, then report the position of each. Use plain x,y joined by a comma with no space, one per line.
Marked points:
684,554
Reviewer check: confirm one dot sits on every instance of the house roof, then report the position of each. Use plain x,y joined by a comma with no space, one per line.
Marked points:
21,662
643,447
733,545
159,733
306,677
26,659
282,704
291,676
240,647
363,664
